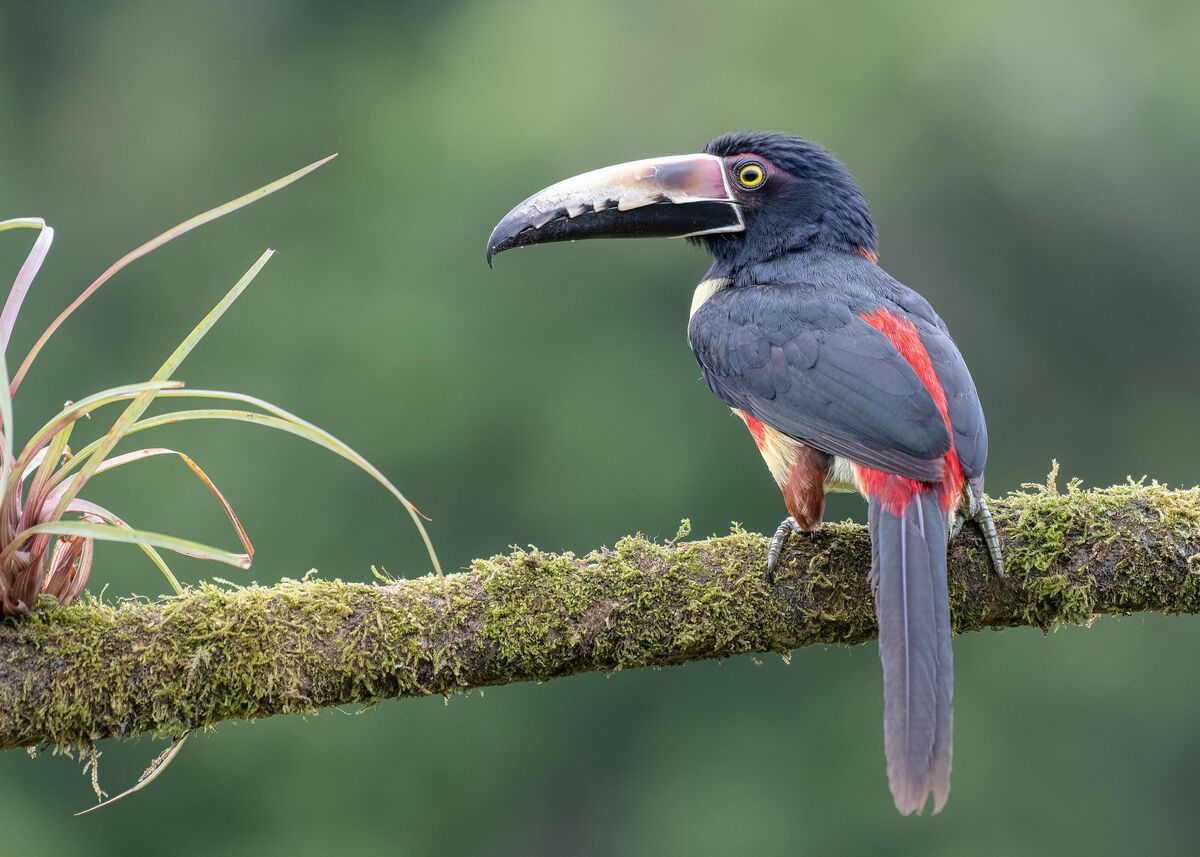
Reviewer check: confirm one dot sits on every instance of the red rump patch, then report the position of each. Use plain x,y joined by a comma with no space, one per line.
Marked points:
892,490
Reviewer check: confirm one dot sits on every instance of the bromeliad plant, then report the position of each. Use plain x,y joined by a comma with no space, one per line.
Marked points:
47,530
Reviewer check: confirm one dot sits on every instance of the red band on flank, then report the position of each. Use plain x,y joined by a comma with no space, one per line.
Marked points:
757,430
892,490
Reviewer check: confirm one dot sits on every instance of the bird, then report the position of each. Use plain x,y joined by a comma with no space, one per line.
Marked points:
846,379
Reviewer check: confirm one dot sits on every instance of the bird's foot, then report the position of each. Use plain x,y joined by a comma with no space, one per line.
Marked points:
785,529
975,509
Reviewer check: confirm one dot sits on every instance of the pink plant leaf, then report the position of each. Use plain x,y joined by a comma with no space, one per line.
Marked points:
138,455
25,277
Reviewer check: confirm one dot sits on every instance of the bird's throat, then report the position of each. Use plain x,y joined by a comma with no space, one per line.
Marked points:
706,290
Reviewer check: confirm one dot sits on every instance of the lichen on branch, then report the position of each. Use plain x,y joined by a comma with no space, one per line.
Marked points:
72,675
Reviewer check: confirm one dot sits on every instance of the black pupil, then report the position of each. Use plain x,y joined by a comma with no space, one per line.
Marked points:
750,175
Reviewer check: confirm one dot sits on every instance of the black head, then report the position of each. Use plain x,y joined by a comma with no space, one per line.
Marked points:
794,195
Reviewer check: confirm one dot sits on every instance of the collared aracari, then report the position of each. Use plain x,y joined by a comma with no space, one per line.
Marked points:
847,380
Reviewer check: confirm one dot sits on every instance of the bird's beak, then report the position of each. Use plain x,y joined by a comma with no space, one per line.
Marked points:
674,197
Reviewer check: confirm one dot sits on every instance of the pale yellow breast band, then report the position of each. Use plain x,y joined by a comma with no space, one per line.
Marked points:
706,290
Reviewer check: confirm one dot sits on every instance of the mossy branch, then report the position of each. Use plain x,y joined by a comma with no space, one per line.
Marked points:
71,675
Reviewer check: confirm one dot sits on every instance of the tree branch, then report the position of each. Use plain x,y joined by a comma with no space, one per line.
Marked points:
71,675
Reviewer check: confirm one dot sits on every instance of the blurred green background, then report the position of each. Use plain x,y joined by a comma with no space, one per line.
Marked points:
1031,167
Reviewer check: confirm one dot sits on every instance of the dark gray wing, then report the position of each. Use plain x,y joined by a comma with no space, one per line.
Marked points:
962,402
800,360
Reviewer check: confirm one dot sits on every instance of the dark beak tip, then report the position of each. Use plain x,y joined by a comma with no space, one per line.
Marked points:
505,236
494,247
500,240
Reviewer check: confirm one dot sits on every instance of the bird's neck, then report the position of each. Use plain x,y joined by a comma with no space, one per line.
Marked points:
791,266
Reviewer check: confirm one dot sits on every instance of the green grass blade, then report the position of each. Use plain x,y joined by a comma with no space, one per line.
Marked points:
139,405
156,558
152,245
281,420
22,223
104,514
80,409
162,420
167,369
50,460
110,533
315,434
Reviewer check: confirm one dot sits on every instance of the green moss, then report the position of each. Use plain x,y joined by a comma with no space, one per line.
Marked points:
215,653
1058,599
69,675
639,602
1057,543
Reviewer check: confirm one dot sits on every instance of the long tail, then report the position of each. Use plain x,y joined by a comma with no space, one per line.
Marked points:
908,564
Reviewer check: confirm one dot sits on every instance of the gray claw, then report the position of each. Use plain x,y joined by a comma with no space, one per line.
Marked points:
785,529
978,511
956,523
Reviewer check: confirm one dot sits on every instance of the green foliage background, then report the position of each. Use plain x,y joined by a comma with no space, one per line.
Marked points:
1031,167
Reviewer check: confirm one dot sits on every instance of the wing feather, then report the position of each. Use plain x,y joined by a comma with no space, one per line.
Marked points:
800,360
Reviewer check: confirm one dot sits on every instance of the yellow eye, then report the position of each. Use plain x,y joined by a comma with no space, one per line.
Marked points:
751,175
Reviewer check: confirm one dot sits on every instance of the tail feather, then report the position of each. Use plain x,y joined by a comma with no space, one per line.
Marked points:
939,772
912,603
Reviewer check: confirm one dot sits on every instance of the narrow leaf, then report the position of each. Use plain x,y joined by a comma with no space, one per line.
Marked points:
109,533
278,419
139,405
75,411
314,434
148,776
25,277
88,508
22,223
154,244
6,416
45,461
140,454
167,369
